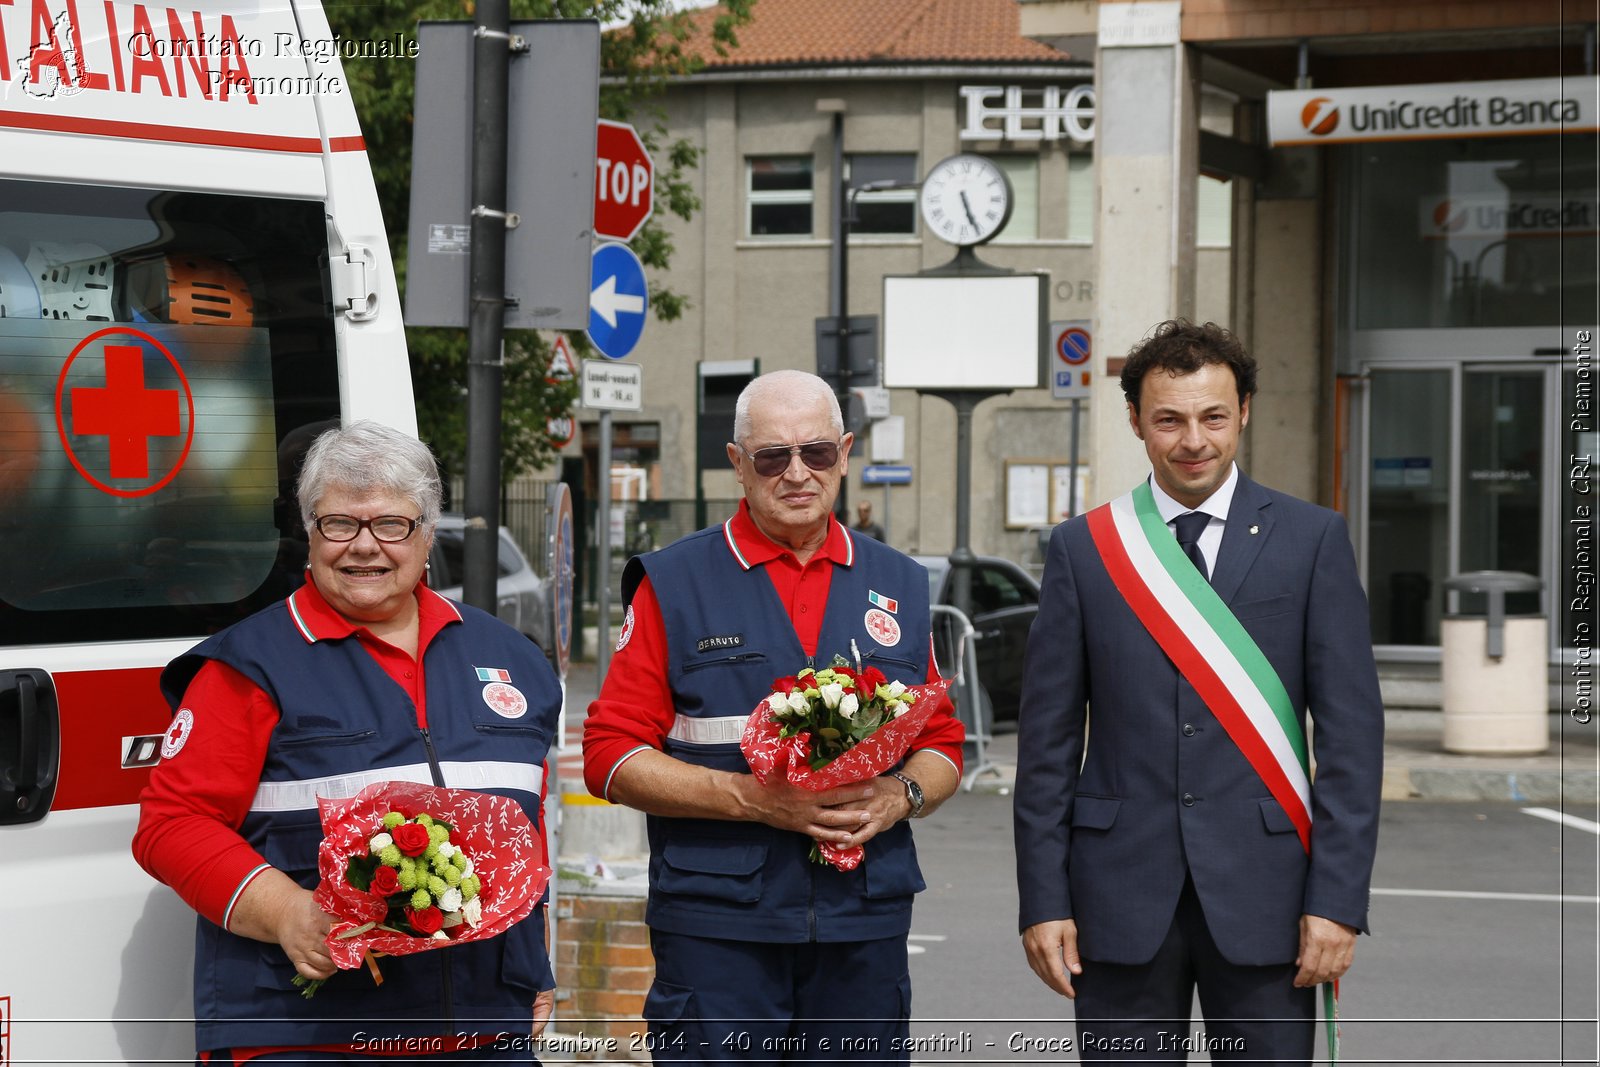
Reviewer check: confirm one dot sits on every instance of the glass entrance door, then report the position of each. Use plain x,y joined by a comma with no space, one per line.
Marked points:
1457,476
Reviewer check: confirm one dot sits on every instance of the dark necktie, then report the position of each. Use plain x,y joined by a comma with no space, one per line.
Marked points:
1189,527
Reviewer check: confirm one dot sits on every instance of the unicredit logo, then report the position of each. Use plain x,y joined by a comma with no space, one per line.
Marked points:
1447,218
1319,116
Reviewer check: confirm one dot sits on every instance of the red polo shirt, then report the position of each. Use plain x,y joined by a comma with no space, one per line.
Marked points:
635,709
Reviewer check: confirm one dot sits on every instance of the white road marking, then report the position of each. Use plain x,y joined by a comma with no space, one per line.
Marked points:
1461,894
926,937
1571,821
915,950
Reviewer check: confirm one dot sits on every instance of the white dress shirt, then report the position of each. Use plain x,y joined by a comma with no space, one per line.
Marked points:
1216,505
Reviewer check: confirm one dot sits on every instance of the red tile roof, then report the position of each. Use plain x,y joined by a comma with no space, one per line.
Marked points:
818,32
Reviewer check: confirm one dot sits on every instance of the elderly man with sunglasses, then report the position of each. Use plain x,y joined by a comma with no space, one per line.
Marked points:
758,948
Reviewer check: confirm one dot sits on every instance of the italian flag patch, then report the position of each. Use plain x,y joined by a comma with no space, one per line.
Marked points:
493,674
878,600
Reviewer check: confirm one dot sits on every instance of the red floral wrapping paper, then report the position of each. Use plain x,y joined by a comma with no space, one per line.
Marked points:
493,831
769,755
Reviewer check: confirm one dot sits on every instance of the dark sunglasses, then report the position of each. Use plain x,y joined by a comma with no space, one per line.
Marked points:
771,462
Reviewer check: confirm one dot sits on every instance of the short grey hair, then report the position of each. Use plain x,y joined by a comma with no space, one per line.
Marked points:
369,457
798,387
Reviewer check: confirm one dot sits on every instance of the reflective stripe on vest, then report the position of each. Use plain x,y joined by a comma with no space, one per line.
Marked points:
487,774
722,730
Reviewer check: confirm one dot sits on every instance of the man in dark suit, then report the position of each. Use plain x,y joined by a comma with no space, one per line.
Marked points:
1187,847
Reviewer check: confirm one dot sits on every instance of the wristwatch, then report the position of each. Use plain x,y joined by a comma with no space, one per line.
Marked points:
913,793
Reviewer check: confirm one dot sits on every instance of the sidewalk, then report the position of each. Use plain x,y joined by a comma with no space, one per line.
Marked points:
1415,765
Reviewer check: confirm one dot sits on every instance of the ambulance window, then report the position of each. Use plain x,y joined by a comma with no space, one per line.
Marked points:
165,359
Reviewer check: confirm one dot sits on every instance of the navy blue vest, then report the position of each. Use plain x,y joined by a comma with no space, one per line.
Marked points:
728,637
340,714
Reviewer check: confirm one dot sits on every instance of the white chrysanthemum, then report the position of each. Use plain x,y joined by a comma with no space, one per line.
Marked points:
379,843
798,702
849,706
451,901
446,849
467,870
472,911
832,693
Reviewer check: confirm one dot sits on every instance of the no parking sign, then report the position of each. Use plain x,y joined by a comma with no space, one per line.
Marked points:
1069,359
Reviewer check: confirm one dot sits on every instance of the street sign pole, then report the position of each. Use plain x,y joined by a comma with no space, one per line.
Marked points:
603,563
1072,479
486,315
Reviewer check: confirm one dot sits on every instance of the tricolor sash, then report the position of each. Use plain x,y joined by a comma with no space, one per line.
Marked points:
1210,648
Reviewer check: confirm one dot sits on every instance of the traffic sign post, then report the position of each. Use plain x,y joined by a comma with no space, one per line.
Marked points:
624,182
618,300
1070,345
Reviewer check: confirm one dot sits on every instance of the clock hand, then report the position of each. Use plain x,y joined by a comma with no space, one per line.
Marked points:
966,205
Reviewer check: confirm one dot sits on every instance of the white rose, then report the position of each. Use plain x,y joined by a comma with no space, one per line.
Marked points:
798,703
896,689
849,706
446,849
472,911
440,935
451,901
832,693
901,710
778,702
379,843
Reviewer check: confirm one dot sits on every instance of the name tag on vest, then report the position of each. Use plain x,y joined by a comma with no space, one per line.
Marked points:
707,644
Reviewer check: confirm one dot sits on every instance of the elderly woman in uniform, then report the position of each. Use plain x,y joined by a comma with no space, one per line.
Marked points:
362,675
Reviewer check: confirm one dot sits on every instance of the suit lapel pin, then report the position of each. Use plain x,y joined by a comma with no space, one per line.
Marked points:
1255,530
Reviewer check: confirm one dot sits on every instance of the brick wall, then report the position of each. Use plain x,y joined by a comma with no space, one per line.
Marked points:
603,968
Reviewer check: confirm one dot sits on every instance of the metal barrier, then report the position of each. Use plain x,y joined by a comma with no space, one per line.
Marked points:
969,693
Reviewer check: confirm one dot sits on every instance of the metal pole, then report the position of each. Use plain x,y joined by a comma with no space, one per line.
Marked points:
1072,474
841,292
491,58
885,524
602,629
961,558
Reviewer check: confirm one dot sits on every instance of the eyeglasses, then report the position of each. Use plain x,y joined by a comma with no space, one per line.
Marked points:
771,462
386,528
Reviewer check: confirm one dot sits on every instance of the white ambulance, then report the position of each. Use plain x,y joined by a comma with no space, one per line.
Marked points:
194,280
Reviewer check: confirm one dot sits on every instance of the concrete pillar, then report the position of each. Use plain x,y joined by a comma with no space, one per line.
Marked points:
1146,151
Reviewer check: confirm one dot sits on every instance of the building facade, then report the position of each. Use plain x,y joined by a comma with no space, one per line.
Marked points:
891,87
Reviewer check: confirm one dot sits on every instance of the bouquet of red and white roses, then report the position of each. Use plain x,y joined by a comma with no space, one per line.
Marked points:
820,729
408,867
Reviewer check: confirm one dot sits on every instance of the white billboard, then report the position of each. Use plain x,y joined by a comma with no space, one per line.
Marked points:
978,332
1440,110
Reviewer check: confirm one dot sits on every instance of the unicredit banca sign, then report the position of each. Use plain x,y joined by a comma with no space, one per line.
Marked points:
1425,112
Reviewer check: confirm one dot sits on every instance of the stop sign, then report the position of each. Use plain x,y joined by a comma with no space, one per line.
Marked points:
624,181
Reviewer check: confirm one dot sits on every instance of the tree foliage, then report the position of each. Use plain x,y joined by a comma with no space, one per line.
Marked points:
642,52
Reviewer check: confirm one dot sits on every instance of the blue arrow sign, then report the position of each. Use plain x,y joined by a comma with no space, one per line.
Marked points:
618,300
882,474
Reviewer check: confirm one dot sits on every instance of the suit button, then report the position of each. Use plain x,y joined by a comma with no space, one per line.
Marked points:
1188,800
1188,729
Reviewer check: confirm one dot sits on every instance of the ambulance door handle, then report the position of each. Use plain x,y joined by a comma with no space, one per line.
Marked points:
28,785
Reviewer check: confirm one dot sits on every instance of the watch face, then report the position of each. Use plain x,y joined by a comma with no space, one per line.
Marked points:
966,199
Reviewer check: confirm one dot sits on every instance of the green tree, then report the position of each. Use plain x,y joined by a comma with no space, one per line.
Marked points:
639,57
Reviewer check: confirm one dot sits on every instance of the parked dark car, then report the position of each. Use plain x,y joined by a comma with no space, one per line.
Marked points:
1005,599
519,589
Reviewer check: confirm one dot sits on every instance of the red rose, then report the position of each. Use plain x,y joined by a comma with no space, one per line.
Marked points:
385,881
785,684
411,838
426,920
868,681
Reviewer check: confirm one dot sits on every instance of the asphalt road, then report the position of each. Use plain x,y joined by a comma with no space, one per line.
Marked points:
1474,957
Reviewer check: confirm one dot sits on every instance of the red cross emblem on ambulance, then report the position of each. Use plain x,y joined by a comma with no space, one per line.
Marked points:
104,403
